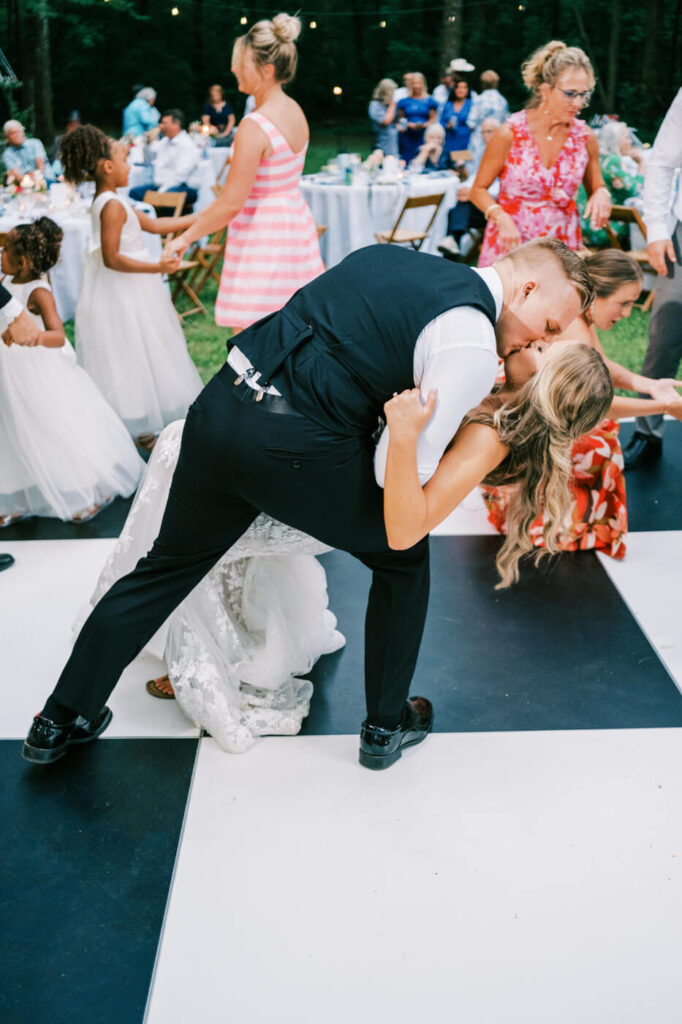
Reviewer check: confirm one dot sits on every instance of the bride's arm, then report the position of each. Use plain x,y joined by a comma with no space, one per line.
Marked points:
410,510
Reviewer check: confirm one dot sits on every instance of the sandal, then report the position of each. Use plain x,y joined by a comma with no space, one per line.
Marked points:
155,690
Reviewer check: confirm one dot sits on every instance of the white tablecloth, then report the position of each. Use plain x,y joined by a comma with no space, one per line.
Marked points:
66,276
353,213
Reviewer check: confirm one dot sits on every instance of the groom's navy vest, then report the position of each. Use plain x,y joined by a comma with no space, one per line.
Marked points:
345,342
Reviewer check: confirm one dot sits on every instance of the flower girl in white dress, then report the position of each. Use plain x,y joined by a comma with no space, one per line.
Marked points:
63,450
236,646
128,336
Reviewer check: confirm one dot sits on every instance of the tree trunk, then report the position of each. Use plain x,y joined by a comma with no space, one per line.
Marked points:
651,71
451,32
612,60
44,118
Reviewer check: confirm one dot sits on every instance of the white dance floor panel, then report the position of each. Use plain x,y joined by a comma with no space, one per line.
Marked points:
41,598
513,878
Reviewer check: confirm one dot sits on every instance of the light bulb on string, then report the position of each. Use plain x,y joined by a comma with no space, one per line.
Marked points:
242,20
175,11
382,24
313,24
337,90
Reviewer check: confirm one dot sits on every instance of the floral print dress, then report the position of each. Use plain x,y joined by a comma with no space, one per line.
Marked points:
598,517
541,200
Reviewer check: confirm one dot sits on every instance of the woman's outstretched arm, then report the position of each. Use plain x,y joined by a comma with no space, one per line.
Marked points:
410,511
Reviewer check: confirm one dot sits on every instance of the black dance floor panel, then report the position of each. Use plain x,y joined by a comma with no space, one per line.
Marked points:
87,850
108,523
560,650
654,493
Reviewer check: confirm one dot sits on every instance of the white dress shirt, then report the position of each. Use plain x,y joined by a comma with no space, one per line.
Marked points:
176,163
659,179
455,353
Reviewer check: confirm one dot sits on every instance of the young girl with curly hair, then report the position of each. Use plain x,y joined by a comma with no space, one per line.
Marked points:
128,336
63,450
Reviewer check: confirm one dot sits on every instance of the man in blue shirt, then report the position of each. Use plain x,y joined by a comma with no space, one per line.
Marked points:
140,115
23,156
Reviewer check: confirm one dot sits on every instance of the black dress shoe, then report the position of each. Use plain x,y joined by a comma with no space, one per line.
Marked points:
5,562
380,748
48,741
641,450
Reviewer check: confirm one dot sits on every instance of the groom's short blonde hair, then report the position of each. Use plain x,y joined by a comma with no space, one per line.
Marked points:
533,255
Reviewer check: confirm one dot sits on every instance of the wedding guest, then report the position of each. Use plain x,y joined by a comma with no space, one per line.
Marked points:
664,249
432,155
22,155
128,336
414,112
141,114
272,247
541,154
489,103
218,114
455,116
597,518
441,93
63,450
382,113
622,167
466,223
72,121
176,165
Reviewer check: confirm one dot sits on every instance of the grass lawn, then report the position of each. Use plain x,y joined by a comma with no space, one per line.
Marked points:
625,343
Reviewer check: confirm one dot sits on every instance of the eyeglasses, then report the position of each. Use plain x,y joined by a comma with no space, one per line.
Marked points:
571,95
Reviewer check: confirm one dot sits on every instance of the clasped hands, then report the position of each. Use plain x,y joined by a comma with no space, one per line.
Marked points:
22,331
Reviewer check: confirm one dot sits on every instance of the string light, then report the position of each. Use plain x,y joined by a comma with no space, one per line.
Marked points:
337,90
452,17
313,24
175,11
242,20
521,7
382,24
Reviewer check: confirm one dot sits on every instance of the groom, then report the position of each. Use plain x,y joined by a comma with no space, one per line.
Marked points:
286,428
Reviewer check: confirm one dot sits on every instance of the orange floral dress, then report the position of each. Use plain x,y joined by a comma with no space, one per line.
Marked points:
598,519
541,200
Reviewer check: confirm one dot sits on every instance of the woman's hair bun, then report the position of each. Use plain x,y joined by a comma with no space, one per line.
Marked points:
287,27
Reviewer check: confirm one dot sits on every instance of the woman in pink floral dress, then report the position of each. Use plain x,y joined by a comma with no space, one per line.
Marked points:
541,155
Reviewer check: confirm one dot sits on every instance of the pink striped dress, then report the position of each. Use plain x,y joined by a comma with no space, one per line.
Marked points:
272,247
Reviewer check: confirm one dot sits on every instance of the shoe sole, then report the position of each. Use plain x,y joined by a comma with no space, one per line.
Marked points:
36,755
377,762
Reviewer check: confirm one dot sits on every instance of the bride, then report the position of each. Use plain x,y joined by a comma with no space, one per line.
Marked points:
236,646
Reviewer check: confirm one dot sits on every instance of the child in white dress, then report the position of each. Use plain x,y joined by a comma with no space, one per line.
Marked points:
128,336
63,450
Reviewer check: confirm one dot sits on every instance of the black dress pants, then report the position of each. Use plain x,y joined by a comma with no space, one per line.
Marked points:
238,458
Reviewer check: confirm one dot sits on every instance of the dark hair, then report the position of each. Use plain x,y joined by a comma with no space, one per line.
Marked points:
80,152
453,92
216,85
39,242
175,115
611,268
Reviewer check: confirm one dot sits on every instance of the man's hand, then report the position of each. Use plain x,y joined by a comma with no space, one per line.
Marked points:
657,252
22,331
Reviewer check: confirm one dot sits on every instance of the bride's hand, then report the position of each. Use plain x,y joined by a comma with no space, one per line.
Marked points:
407,415
175,249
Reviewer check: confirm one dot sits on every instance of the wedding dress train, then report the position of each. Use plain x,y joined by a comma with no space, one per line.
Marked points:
235,647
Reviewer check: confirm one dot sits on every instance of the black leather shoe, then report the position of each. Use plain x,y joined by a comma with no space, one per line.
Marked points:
380,748
5,562
641,450
47,741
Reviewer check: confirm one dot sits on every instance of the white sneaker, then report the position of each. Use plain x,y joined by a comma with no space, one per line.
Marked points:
448,244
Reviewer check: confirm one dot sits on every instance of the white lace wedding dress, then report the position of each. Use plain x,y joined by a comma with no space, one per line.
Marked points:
236,645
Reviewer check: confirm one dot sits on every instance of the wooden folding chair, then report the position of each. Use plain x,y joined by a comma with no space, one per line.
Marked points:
178,280
629,215
208,257
407,236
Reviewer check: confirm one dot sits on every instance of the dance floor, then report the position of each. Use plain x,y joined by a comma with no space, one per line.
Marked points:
523,866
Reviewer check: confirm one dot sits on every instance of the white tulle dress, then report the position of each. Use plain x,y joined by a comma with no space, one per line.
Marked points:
128,336
235,647
63,449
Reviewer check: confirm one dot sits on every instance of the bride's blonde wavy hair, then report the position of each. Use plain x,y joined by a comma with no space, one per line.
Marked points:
566,398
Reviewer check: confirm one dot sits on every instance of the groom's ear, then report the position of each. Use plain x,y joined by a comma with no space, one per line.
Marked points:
528,288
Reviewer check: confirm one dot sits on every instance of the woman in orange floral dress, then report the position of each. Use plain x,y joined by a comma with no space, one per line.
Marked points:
598,517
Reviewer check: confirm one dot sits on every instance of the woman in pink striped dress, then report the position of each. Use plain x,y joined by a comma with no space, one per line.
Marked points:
272,247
